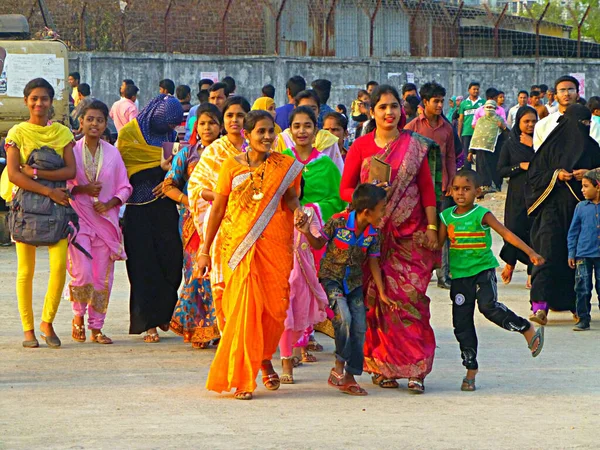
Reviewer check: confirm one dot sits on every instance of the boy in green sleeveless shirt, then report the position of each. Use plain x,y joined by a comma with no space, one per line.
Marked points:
473,270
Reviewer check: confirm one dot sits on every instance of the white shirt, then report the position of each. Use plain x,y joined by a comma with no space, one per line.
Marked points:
512,114
552,108
545,126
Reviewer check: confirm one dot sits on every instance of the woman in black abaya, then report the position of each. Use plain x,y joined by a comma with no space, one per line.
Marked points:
515,156
554,179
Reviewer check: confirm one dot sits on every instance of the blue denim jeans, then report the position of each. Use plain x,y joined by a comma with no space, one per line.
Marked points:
349,323
585,269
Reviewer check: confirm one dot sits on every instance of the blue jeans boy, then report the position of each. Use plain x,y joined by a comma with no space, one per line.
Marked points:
583,285
349,323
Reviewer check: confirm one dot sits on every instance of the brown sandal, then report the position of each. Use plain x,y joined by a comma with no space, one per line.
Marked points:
296,361
385,383
271,381
151,338
201,345
308,358
286,378
78,332
242,395
314,346
101,338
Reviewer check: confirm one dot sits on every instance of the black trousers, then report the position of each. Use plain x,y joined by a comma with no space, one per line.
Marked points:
485,161
466,143
480,288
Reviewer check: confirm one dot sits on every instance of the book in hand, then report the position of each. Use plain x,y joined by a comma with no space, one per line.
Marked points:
380,171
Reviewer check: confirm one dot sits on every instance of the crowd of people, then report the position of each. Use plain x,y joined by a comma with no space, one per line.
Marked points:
248,227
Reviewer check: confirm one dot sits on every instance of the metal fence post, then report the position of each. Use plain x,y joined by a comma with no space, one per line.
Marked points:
278,27
372,31
165,27
579,24
330,28
82,42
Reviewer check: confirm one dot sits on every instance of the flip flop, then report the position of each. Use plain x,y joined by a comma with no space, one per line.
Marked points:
334,379
539,335
352,389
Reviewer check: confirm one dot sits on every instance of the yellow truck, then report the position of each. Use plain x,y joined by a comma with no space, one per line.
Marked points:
23,59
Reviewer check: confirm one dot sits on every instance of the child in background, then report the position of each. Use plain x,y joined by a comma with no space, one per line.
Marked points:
473,269
337,124
582,241
351,238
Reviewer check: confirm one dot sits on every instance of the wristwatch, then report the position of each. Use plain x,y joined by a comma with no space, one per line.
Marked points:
35,177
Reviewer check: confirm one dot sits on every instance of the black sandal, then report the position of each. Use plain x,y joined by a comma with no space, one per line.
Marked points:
384,383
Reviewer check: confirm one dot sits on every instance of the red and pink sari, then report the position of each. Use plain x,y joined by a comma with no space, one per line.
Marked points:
401,343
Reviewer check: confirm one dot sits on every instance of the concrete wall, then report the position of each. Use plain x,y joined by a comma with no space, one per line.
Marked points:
104,72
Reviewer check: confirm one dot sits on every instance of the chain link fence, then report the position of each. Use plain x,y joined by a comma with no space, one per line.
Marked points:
339,28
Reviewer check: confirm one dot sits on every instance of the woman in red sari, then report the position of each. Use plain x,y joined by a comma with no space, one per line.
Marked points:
400,342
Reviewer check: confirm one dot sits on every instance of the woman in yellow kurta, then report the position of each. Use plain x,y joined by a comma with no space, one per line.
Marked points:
203,183
21,140
254,200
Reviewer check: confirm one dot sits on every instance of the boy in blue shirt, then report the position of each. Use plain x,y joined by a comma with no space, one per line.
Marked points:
351,238
583,242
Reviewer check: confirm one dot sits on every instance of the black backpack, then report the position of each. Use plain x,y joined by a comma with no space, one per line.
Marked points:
35,219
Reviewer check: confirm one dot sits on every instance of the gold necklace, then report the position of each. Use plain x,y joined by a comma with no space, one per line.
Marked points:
387,144
257,192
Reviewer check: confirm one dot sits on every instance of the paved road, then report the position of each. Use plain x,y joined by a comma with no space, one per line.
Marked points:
136,395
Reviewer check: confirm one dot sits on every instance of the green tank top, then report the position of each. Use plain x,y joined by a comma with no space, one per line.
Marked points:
470,242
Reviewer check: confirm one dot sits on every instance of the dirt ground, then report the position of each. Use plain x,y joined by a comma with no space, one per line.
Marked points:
133,395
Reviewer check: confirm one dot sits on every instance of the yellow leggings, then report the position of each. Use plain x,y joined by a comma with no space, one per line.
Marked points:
25,269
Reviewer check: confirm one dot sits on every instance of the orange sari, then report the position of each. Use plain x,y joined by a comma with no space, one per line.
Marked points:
257,239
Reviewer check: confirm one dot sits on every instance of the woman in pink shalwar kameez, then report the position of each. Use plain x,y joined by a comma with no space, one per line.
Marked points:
98,190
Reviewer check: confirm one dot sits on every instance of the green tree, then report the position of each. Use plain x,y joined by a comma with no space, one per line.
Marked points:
559,13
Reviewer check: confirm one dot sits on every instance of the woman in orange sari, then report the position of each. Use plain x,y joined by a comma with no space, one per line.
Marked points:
254,200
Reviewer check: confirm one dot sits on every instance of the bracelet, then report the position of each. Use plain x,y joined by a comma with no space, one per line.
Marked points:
432,227
204,254
180,197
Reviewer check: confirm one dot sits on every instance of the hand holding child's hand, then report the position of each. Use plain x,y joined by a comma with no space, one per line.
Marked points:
431,240
536,259
572,263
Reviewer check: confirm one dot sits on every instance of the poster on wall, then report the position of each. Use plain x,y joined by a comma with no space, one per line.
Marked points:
581,78
210,75
19,69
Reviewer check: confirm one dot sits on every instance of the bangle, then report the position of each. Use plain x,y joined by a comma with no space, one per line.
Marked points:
180,197
432,227
204,254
